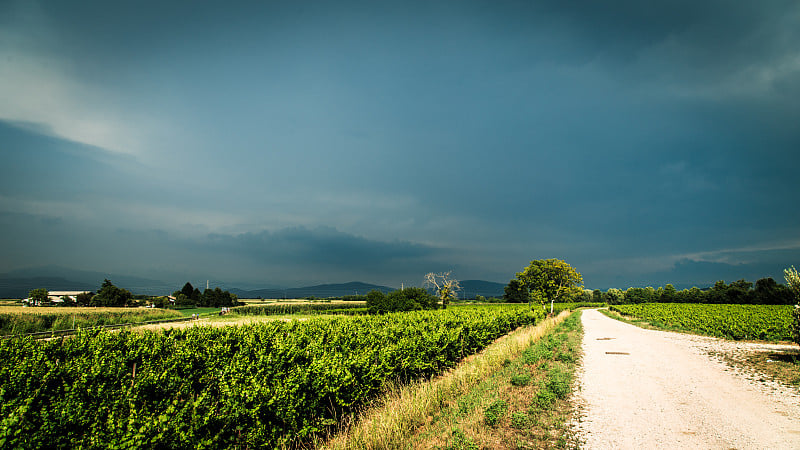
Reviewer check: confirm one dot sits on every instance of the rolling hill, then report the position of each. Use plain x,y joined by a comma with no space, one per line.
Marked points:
322,290
18,283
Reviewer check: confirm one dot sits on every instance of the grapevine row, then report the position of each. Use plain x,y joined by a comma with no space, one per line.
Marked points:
265,385
758,322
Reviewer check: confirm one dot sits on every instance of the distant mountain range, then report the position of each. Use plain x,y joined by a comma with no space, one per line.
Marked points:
473,288
469,289
322,290
18,283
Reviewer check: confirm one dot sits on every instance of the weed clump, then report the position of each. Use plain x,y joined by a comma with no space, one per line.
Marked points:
519,420
495,412
521,379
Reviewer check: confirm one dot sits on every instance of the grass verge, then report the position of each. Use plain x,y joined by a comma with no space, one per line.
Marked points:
480,403
524,404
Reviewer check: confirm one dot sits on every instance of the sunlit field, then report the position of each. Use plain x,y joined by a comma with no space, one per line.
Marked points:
19,320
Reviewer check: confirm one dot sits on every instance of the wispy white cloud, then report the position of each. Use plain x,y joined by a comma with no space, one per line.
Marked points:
38,85
741,255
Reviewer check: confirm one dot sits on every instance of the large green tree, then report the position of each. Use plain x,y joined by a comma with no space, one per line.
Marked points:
187,290
110,295
615,296
515,292
217,297
84,298
551,279
38,296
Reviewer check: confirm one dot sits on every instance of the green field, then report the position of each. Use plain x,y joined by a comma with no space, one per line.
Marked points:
19,320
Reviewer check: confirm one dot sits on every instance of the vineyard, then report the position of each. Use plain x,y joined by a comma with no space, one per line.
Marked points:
357,308
757,322
277,309
265,385
17,320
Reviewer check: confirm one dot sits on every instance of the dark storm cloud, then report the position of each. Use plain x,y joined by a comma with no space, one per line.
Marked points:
712,35
293,256
364,138
322,247
37,165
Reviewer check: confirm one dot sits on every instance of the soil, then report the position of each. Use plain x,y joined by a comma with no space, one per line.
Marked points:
642,388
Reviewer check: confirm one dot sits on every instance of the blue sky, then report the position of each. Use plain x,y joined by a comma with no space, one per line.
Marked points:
286,143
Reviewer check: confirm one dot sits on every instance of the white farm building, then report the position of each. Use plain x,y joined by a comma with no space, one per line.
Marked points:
57,297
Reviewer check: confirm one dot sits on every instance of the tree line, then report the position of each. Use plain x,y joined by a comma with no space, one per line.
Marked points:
555,280
107,295
110,295
766,291
191,296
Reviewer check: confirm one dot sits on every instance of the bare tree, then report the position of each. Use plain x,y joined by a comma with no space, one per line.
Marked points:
444,284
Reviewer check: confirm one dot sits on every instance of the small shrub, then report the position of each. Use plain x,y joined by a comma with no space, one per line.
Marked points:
495,412
521,380
544,398
566,356
519,419
558,382
537,353
461,441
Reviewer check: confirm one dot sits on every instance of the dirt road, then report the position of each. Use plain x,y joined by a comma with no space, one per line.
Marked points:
653,389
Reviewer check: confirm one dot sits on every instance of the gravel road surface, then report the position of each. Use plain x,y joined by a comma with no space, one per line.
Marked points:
641,388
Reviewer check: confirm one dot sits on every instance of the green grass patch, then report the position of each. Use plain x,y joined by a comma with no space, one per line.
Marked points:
495,412
522,379
524,404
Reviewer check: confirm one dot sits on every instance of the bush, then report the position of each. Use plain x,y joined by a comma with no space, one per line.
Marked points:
408,299
795,326
793,280
519,420
521,380
495,412
559,382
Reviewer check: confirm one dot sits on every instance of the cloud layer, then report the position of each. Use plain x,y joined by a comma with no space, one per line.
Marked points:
379,141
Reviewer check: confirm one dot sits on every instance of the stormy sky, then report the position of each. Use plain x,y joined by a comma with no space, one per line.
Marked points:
288,143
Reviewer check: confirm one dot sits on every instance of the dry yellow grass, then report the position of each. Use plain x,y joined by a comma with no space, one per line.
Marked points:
395,417
221,321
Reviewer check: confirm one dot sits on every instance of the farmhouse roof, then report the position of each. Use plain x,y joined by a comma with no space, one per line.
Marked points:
63,293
